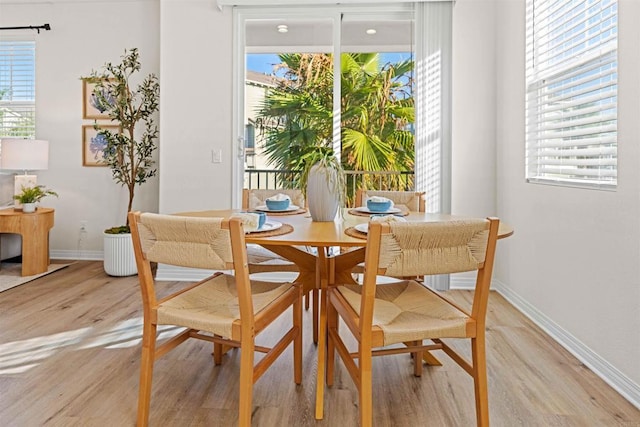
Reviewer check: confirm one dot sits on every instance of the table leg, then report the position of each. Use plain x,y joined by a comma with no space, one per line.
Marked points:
308,275
35,252
322,332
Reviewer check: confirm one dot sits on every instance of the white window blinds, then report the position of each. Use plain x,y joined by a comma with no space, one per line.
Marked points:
17,88
571,105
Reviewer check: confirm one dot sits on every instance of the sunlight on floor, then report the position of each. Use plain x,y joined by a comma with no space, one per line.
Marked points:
20,356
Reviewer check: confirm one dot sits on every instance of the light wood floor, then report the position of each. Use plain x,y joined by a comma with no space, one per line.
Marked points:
69,356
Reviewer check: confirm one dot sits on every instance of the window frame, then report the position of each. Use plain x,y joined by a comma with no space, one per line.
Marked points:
18,69
574,144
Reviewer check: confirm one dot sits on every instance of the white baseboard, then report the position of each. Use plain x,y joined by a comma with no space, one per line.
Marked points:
465,283
180,274
77,255
172,273
609,373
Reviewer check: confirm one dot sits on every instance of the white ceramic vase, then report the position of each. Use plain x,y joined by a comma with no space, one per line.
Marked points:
322,193
119,258
28,207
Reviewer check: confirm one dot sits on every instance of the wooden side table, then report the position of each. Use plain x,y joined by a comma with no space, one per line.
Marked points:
34,229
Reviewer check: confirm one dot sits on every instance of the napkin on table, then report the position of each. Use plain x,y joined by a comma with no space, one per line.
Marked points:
250,221
387,218
279,197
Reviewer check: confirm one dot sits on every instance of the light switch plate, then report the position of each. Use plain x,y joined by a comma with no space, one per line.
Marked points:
216,156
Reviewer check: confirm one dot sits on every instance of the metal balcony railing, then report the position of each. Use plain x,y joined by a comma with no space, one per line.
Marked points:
372,180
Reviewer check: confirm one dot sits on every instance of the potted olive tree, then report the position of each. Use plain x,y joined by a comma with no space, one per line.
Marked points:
129,153
323,182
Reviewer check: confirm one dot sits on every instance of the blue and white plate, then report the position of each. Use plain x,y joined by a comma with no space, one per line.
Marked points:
363,228
268,226
264,208
364,209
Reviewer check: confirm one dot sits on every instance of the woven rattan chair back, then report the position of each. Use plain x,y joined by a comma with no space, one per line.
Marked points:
413,201
186,241
253,198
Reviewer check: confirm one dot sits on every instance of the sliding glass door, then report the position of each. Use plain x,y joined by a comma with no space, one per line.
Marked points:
377,99
292,100
362,80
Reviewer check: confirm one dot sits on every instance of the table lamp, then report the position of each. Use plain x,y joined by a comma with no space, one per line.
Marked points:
25,155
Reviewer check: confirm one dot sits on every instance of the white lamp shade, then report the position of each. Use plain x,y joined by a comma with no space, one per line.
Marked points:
24,154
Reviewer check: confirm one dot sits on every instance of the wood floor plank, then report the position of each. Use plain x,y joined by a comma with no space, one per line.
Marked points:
70,348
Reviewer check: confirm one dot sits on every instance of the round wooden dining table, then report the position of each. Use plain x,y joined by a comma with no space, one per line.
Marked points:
303,232
327,264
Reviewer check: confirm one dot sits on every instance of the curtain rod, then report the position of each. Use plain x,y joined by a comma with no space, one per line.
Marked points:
30,27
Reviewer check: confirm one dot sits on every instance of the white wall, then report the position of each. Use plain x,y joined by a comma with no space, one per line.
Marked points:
573,261
84,35
196,75
473,167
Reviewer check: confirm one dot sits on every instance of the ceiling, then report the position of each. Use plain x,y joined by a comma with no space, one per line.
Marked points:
306,35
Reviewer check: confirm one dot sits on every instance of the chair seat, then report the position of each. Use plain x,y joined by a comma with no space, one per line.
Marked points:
213,305
256,254
408,311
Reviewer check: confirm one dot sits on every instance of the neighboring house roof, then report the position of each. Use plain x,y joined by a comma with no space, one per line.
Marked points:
259,79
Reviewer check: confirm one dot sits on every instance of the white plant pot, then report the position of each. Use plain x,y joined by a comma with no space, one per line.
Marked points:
322,194
119,258
28,207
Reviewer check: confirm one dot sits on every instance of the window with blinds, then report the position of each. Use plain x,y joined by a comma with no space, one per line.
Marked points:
571,104
17,88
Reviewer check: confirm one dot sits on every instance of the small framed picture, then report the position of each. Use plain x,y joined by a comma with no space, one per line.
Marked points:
93,144
91,106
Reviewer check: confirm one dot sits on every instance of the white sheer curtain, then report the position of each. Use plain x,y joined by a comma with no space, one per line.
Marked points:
433,110
433,104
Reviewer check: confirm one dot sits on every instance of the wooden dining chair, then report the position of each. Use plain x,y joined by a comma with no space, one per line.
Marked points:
254,197
262,260
228,310
407,312
413,201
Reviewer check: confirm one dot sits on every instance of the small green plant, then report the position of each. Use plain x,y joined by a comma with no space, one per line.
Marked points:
122,229
34,194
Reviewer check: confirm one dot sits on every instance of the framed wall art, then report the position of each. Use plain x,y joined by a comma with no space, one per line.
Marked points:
93,144
91,108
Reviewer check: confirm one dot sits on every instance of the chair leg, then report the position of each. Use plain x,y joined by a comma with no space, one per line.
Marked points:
478,355
247,349
146,372
297,341
332,324
307,297
217,353
365,388
417,360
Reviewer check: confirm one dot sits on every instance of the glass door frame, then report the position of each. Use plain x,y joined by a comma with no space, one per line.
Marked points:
244,14
433,58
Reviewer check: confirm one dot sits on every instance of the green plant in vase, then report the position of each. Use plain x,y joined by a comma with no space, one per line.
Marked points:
323,183
129,153
29,196
34,194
